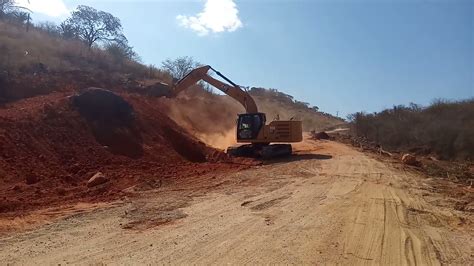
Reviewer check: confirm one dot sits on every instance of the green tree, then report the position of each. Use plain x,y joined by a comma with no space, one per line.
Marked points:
93,25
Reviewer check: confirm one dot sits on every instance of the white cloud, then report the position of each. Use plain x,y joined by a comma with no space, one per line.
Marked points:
217,16
52,8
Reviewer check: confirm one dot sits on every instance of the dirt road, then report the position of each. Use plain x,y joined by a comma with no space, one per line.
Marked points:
330,204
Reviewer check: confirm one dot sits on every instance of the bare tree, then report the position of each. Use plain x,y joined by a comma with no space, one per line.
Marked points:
94,26
179,67
9,9
68,31
19,16
49,27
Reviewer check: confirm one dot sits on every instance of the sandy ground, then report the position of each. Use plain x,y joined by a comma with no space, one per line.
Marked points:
329,204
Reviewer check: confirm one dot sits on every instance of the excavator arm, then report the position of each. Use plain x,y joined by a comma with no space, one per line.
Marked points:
231,89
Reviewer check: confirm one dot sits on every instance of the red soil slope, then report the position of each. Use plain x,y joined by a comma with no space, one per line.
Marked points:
48,152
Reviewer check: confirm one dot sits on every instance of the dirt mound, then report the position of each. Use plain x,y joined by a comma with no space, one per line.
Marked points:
49,149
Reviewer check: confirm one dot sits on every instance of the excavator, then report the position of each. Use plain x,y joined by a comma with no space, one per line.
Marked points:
251,125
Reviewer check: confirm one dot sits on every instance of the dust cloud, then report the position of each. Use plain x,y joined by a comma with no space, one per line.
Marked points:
219,140
210,118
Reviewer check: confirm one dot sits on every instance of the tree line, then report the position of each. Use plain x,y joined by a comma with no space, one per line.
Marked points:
445,128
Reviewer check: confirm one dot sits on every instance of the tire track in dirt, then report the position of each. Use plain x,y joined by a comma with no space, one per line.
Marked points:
348,209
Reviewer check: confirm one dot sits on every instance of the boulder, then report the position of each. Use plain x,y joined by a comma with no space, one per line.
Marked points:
112,121
97,104
409,159
97,179
321,135
158,89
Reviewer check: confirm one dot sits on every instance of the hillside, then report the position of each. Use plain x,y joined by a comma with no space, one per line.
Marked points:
444,129
277,104
40,61
40,71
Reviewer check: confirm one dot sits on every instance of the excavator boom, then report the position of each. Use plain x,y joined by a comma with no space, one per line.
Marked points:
233,90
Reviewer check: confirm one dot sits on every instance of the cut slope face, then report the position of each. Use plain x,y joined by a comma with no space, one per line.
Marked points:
49,150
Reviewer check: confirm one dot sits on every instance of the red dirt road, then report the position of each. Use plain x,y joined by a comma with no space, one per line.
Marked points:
329,204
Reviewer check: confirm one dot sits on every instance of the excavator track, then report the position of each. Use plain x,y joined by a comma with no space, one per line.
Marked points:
276,150
261,151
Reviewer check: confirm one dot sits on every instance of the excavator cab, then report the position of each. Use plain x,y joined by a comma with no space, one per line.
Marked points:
249,125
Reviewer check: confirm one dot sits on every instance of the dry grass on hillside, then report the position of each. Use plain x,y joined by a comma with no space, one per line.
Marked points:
277,104
23,51
35,62
443,128
312,120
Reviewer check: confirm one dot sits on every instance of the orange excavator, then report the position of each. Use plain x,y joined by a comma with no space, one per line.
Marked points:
251,126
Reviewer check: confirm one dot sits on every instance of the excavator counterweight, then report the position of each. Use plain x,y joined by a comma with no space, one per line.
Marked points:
251,126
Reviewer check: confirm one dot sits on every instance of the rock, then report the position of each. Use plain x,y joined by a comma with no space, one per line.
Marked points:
158,90
112,121
31,179
97,179
97,104
321,135
409,159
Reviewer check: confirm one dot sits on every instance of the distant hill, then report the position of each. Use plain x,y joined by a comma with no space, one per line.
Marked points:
277,104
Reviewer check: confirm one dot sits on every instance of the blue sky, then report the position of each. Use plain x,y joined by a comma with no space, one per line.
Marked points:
341,55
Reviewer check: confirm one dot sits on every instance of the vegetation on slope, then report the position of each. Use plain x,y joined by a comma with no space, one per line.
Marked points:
35,58
279,105
445,128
